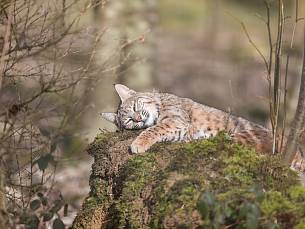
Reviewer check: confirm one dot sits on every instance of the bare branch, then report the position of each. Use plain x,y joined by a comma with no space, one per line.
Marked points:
251,41
6,44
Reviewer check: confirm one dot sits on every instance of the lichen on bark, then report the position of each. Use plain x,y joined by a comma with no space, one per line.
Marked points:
200,184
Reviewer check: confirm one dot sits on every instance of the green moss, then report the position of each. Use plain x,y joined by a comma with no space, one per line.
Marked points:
296,193
301,224
179,202
92,202
161,188
287,207
242,165
236,194
139,171
200,155
275,203
102,138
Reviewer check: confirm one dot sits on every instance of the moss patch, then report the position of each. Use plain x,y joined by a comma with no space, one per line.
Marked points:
205,183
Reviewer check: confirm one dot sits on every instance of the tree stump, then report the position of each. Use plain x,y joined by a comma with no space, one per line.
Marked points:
200,184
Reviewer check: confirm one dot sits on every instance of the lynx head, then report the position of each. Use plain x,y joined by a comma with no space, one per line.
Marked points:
136,111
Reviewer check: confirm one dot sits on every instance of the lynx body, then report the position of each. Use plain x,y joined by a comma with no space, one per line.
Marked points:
166,117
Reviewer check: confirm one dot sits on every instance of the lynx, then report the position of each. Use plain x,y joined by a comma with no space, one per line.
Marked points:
166,117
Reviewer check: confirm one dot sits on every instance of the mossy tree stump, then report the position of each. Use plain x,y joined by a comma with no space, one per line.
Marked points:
202,184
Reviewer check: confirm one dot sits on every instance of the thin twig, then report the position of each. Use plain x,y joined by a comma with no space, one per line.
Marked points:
270,62
5,45
277,75
251,41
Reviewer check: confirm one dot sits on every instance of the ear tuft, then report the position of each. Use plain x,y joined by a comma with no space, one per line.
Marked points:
111,117
123,91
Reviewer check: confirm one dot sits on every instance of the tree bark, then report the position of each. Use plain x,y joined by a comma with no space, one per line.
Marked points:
3,212
138,19
298,123
6,44
127,50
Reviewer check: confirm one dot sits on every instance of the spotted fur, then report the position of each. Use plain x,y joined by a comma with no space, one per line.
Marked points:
166,117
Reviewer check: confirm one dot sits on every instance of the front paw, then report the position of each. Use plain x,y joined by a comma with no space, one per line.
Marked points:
138,146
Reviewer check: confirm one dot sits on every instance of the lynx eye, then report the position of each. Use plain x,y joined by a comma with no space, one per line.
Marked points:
134,107
127,122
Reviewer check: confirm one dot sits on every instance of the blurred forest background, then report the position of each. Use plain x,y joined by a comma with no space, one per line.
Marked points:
60,59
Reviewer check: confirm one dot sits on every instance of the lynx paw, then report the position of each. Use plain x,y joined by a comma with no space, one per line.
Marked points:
138,147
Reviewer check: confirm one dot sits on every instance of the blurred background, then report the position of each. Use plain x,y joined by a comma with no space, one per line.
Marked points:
196,49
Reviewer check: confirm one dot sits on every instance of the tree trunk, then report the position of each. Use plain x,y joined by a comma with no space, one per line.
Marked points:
127,51
298,123
3,212
138,18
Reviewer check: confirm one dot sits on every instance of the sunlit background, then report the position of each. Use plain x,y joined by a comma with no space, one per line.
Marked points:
196,49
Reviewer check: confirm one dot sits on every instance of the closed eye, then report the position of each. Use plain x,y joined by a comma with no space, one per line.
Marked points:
141,105
128,121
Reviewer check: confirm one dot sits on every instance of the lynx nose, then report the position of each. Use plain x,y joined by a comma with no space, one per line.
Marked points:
137,117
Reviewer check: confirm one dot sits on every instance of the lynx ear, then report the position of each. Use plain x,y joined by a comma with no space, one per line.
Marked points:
124,92
111,117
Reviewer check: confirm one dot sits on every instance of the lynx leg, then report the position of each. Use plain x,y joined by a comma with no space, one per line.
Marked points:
169,130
